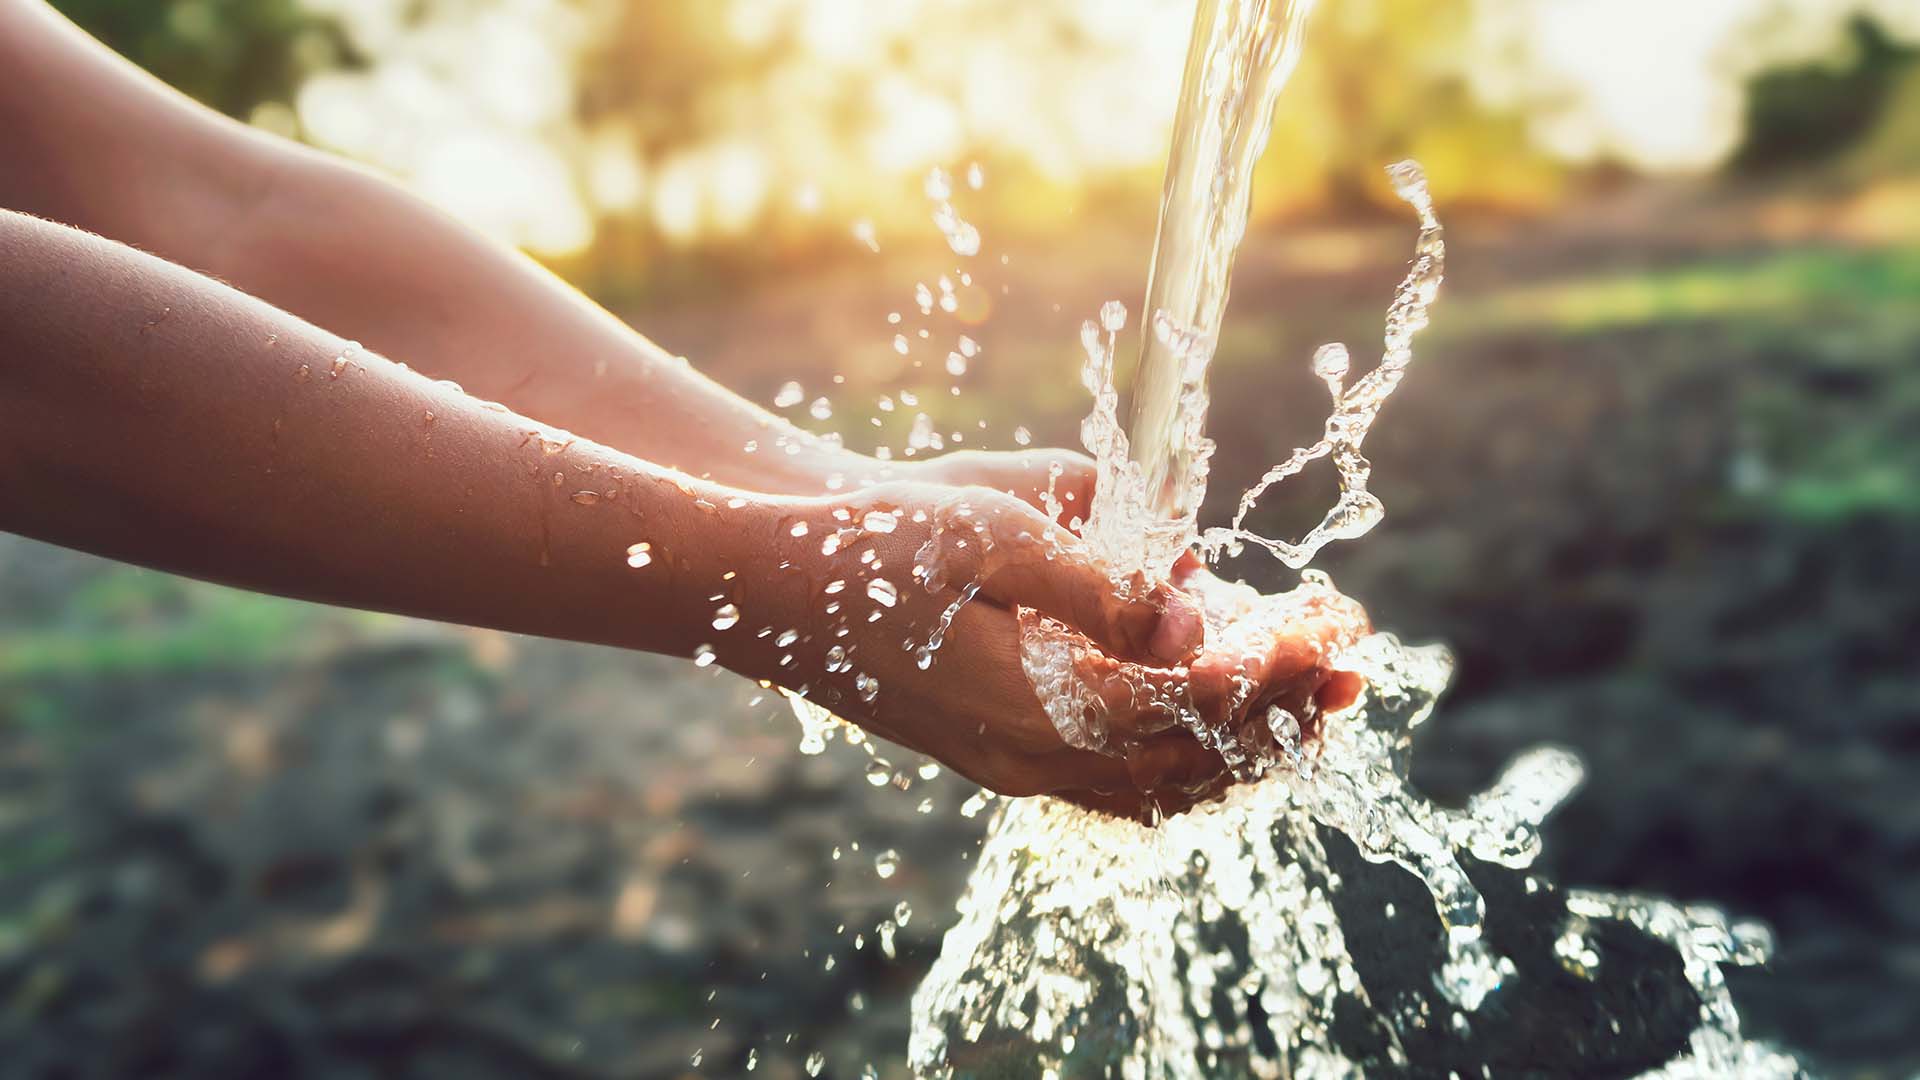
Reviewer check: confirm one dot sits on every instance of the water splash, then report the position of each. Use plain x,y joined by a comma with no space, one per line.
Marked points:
1238,60
1354,408
1217,943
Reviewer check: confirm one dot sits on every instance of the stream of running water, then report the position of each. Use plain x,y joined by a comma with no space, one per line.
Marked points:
1243,938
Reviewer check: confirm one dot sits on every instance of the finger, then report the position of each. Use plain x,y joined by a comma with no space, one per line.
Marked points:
1173,759
1162,627
1341,689
1030,476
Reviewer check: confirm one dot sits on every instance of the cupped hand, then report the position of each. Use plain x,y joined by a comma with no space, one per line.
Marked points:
1032,476
897,610
1267,653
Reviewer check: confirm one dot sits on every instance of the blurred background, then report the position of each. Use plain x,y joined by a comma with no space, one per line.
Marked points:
1655,478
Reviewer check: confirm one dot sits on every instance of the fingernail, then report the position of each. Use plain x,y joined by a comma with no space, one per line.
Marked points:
1178,635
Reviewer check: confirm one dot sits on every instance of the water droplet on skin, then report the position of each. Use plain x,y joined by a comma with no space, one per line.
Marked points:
928,770
789,396
880,521
786,638
900,344
303,374
704,656
883,592
821,409
725,617
639,555
587,498
887,863
867,686
837,659
834,586
799,529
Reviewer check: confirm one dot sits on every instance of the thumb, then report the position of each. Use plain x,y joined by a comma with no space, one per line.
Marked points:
1162,627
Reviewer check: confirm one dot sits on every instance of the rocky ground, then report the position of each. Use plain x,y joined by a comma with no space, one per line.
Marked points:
1656,487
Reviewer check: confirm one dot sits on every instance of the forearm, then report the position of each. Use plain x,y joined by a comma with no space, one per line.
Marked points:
99,144
152,415
354,253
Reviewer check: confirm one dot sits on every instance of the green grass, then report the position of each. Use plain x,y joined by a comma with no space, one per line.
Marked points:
126,621
1791,286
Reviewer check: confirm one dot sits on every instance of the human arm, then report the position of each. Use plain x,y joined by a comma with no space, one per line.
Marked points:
156,416
95,142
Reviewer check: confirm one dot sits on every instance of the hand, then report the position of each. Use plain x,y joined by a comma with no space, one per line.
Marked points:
1267,652
872,593
1028,475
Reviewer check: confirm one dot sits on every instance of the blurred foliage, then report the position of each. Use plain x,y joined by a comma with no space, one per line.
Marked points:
233,55
1811,112
615,128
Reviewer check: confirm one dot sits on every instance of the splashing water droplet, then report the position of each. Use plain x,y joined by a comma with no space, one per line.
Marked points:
883,592
639,554
704,656
886,864
725,617
816,1061
1330,362
1022,436
821,409
789,396
879,771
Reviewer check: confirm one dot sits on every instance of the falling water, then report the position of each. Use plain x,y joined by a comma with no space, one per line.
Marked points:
1325,918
